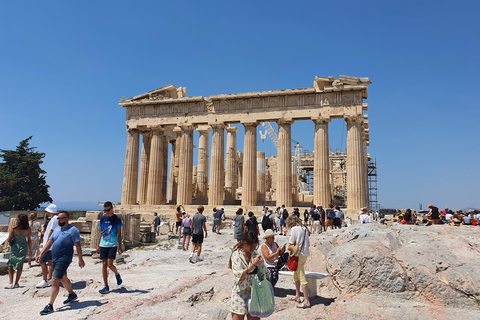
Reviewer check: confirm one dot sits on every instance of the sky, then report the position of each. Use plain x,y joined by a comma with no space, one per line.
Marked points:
65,66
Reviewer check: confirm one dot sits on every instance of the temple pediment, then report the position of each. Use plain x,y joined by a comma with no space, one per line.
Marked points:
163,93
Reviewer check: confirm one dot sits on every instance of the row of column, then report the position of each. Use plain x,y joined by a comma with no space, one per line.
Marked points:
152,184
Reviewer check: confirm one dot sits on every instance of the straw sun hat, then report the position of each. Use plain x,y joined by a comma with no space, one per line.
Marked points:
269,233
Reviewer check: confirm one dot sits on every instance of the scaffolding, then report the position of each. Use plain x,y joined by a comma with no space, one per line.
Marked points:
372,185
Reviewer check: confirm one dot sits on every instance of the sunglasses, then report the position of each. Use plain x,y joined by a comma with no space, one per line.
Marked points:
107,210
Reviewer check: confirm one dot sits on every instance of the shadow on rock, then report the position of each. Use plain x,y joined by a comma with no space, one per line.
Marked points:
79,285
125,290
80,305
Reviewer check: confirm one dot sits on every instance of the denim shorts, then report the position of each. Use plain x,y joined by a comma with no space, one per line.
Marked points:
60,269
47,256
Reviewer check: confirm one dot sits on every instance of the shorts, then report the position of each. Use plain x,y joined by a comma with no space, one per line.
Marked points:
108,253
187,231
47,256
155,227
60,269
282,223
329,222
337,222
197,238
218,222
178,224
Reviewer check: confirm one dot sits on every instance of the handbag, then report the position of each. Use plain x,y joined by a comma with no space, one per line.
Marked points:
262,302
292,262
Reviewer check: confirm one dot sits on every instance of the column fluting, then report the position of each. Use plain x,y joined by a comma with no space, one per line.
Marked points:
155,169
355,166
217,171
202,168
144,161
249,183
321,165
284,164
185,177
231,165
130,177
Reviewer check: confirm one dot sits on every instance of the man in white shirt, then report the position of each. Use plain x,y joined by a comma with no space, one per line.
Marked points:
449,215
47,272
364,218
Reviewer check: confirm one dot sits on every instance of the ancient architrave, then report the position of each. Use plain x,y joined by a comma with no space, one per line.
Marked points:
166,115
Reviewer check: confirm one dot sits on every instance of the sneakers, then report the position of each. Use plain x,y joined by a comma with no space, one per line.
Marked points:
191,259
44,284
105,290
71,297
119,279
49,283
9,286
198,259
48,309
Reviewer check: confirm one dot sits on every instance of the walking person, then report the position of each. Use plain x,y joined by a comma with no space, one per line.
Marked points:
46,258
316,226
36,228
62,241
251,225
109,242
245,262
299,236
238,225
156,223
19,248
187,231
219,216
178,217
199,226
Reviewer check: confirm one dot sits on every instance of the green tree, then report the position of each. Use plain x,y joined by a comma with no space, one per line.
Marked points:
22,181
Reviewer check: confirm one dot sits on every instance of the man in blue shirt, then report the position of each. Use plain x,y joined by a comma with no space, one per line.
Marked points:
109,241
62,240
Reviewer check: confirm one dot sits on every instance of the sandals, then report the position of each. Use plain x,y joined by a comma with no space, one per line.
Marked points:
302,306
295,299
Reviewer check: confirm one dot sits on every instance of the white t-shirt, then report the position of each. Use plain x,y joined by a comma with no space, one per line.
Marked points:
52,225
448,216
364,218
299,234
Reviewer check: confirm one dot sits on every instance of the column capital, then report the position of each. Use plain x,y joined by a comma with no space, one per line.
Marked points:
285,121
231,129
353,117
321,120
250,123
216,125
204,129
156,128
185,127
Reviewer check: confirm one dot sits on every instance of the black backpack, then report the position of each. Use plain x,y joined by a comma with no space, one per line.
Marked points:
285,214
266,222
330,214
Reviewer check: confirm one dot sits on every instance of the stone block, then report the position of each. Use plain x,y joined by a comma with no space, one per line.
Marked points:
93,215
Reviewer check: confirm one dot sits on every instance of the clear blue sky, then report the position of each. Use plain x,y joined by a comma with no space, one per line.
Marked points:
65,65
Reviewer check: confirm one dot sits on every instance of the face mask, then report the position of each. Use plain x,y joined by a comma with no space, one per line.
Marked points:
61,224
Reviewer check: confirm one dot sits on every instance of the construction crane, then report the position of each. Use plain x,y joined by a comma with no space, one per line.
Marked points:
271,133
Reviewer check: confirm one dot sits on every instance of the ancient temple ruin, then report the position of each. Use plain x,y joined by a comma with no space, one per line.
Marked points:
227,176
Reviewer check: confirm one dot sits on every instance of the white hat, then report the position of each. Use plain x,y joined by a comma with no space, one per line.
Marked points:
52,208
269,233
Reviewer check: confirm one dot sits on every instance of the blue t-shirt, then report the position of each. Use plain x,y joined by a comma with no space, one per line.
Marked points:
109,227
63,241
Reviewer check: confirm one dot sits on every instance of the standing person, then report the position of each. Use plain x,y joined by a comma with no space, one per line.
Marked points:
299,235
187,231
219,216
316,226
36,228
21,246
245,262
434,214
278,215
238,225
251,225
62,241
274,256
330,215
306,215
51,212
340,216
156,223
199,226
283,219
364,217
268,221
214,227
109,241
322,217
178,215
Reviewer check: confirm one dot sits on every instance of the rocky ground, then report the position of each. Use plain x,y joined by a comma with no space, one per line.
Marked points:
377,272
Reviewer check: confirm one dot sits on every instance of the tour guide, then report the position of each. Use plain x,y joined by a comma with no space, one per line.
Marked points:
62,241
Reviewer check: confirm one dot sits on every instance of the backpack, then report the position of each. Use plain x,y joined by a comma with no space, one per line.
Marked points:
284,214
330,214
266,222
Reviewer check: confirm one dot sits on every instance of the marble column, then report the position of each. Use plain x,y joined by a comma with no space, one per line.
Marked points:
144,161
217,171
231,165
202,168
321,165
239,169
284,164
249,183
185,175
261,175
163,199
155,169
355,165
130,177
171,178
175,164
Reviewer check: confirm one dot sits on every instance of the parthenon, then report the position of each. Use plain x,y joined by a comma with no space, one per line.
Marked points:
166,116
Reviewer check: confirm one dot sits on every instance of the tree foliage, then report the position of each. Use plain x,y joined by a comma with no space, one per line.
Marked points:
22,181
